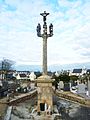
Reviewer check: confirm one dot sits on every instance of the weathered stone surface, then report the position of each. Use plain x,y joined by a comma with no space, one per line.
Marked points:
44,79
73,97
44,84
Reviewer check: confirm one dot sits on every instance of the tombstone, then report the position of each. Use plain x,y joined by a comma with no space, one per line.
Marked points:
32,85
57,74
60,85
78,81
81,88
32,78
88,87
66,86
1,83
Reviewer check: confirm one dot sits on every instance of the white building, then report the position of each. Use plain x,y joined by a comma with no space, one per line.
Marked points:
21,77
78,72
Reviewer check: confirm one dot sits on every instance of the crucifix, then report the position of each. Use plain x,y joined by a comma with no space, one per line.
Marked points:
44,36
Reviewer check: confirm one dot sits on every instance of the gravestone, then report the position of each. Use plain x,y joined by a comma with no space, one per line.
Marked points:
81,88
88,87
60,85
66,86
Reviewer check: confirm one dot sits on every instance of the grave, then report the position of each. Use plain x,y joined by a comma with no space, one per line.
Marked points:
81,88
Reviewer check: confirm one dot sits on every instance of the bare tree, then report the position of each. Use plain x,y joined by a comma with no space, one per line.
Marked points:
6,65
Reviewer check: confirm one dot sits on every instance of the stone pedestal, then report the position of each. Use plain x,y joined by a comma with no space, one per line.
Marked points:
45,93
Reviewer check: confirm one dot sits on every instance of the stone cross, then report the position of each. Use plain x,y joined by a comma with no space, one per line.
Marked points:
44,36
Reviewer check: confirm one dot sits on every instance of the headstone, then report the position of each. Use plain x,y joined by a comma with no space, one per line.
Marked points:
1,83
60,85
66,87
32,85
78,82
70,85
57,74
81,88
88,87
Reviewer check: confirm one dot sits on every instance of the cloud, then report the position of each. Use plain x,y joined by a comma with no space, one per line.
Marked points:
18,37
23,46
69,3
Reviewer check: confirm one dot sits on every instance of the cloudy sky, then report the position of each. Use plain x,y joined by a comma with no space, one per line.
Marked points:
70,42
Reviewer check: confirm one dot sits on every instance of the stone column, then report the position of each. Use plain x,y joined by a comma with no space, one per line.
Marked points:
45,55
44,36
44,82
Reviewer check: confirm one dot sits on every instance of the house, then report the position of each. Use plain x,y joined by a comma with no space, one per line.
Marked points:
21,76
22,72
78,72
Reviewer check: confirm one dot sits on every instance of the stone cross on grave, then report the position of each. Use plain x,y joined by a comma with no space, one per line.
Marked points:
44,36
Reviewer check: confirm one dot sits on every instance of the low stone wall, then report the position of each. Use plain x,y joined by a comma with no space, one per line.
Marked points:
3,109
22,98
73,97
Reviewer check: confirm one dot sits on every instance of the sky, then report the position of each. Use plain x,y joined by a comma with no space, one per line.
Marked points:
71,28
